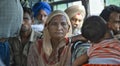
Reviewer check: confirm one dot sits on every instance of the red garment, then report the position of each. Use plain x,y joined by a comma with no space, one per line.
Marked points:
60,57
109,48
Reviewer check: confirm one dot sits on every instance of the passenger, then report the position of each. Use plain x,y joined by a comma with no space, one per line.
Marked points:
11,14
41,11
53,49
20,44
112,15
102,50
76,14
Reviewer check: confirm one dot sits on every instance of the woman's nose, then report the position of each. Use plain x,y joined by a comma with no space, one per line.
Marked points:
59,27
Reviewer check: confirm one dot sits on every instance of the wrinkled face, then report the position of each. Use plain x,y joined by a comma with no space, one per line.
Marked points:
76,21
114,22
26,24
42,16
58,27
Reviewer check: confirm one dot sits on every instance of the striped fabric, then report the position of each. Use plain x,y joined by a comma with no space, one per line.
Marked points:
109,48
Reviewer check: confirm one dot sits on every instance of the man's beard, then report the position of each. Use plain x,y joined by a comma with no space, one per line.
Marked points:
24,29
38,21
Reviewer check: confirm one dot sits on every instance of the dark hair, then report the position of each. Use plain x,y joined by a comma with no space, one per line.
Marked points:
94,28
28,10
105,14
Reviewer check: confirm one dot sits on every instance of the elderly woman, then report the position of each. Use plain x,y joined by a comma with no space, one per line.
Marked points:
76,14
54,49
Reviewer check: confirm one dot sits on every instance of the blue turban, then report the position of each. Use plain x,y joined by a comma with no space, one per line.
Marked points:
41,6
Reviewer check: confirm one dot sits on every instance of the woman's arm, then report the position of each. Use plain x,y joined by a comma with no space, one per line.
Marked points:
81,60
78,37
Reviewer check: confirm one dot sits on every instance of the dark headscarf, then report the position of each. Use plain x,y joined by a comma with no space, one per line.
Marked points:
41,6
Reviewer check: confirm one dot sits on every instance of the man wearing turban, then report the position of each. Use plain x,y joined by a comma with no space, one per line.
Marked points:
76,14
41,11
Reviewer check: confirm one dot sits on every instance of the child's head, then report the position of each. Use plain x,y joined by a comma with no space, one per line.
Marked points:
94,28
